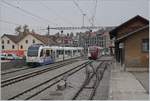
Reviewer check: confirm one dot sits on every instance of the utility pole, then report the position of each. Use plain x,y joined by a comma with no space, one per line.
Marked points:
48,33
48,30
83,19
63,45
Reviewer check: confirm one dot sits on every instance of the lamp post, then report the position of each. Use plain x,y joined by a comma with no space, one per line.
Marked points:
83,19
63,46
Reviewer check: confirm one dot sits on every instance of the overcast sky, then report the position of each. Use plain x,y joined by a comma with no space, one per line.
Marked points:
66,13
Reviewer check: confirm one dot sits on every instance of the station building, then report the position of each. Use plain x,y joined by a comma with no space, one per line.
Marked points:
132,44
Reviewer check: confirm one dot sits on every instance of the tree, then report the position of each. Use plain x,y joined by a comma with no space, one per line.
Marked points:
25,29
18,29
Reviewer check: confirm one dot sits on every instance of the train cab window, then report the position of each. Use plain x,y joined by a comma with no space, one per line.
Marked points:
41,53
47,52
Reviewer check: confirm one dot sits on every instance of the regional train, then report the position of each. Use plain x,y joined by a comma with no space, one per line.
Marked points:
42,55
94,52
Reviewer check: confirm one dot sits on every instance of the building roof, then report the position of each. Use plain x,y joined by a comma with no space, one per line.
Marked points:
14,38
43,38
134,19
133,32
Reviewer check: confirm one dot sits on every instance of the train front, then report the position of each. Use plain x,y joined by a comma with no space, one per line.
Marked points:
33,57
93,52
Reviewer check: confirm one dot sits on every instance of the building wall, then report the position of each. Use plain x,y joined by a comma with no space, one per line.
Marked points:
8,46
134,57
25,45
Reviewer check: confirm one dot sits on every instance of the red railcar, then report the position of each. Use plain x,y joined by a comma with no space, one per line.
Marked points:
94,52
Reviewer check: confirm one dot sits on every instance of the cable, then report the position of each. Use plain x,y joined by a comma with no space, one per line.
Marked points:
63,19
78,7
94,13
81,11
27,12
8,22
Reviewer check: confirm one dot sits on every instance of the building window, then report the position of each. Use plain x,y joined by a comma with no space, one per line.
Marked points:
2,41
21,47
7,41
145,45
33,41
26,41
13,47
3,47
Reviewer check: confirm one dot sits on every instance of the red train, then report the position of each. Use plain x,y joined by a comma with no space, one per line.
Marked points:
94,52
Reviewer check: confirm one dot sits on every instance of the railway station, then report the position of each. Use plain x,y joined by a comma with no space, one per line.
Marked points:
74,50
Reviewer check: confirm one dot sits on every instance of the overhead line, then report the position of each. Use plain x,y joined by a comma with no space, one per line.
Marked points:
81,11
27,12
57,14
94,13
8,22
78,7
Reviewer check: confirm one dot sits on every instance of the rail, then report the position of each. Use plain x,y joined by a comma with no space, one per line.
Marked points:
56,79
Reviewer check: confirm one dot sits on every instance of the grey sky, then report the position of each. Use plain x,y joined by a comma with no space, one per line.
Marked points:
65,13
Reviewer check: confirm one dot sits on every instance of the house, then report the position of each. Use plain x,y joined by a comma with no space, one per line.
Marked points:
18,44
132,43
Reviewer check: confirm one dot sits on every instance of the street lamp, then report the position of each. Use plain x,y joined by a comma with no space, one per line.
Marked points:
63,45
83,19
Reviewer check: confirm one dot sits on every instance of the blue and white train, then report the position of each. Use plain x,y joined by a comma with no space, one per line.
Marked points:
43,55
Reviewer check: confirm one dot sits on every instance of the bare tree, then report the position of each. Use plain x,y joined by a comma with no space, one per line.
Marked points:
25,29
18,30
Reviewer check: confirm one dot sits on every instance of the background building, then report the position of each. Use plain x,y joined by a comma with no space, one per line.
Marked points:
98,38
18,44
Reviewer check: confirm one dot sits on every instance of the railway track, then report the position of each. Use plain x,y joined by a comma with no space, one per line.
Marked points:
13,71
21,69
18,78
37,89
90,86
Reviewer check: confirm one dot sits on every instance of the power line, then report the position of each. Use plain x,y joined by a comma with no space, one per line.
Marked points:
63,19
81,11
94,13
27,12
8,22
77,5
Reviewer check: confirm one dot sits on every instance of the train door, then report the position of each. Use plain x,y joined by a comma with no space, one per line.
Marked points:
48,56
53,54
42,55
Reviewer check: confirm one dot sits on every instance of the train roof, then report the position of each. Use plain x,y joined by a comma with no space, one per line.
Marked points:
96,47
57,47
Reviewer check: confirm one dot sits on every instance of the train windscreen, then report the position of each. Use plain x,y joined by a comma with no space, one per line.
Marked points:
33,51
92,49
